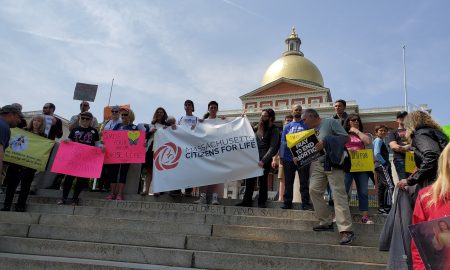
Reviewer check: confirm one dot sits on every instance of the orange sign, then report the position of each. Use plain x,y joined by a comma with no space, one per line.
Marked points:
107,111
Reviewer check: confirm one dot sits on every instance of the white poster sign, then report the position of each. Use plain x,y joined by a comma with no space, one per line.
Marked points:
214,152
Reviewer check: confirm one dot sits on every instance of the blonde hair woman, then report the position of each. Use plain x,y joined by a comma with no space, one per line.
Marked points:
434,202
427,141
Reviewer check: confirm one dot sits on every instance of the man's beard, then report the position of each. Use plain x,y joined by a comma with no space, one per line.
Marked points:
297,116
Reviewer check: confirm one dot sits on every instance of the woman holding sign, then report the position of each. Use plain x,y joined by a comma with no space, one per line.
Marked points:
19,174
433,203
358,141
117,173
82,133
158,122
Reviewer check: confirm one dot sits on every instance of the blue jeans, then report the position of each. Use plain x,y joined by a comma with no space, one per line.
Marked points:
362,187
400,168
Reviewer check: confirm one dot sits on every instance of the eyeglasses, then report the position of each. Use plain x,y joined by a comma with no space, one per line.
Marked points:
46,107
354,120
124,114
85,105
114,111
85,118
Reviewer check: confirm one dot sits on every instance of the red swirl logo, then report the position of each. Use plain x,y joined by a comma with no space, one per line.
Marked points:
166,157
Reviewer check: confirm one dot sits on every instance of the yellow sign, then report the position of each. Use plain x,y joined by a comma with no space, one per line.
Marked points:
410,164
28,149
362,161
294,138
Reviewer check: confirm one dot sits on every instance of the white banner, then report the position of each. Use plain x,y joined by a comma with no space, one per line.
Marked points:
214,152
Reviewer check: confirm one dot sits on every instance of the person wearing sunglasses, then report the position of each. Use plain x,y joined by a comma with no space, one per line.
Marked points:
117,173
53,125
75,120
83,133
358,141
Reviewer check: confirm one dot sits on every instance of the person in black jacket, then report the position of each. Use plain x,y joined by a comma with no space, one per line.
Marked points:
427,141
267,138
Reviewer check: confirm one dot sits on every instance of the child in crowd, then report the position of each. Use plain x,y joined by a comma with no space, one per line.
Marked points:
383,170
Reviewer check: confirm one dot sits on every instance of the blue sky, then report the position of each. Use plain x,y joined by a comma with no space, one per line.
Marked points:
163,52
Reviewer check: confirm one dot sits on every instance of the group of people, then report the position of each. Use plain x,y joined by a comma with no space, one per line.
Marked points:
338,136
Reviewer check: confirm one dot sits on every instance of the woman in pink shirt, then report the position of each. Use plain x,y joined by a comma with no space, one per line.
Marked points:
358,141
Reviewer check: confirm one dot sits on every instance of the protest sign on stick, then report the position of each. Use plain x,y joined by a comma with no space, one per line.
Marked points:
124,146
78,160
302,147
85,92
28,149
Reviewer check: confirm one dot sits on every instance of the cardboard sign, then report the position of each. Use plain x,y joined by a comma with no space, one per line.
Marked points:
28,149
432,239
410,164
302,147
107,111
78,160
124,146
362,161
85,92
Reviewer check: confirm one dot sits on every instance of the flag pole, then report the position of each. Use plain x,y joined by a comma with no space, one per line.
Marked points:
404,78
110,91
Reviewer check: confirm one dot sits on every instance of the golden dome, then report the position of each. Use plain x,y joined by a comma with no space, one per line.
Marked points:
293,65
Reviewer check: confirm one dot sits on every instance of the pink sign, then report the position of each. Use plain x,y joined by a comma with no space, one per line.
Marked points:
124,146
78,160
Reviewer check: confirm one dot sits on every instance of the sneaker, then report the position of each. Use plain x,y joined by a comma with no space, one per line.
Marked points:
382,211
307,207
202,199
119,197
324,228
366,220
144,193
346,238
215,199
331,202
61,202
110,197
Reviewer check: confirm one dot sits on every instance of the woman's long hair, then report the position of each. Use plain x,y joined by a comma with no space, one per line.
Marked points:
352,116
417,119
261,128
440,190
41,128
164,119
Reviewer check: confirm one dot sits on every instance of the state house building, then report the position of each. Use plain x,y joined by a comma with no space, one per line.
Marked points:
294,79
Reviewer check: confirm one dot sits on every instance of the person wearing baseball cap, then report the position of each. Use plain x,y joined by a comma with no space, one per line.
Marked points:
10,117
399,144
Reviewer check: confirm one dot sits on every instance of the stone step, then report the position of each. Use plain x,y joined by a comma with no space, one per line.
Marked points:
96,251
183,206
176,257
287,249
183,241
172,221
286,235
10,261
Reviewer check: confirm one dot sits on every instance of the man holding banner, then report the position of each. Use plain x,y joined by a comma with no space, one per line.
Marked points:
332,136
267,138
297,125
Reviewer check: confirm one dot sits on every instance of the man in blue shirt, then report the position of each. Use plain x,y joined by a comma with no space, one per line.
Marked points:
290,168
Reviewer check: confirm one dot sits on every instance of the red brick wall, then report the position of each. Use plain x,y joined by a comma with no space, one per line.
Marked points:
283,88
